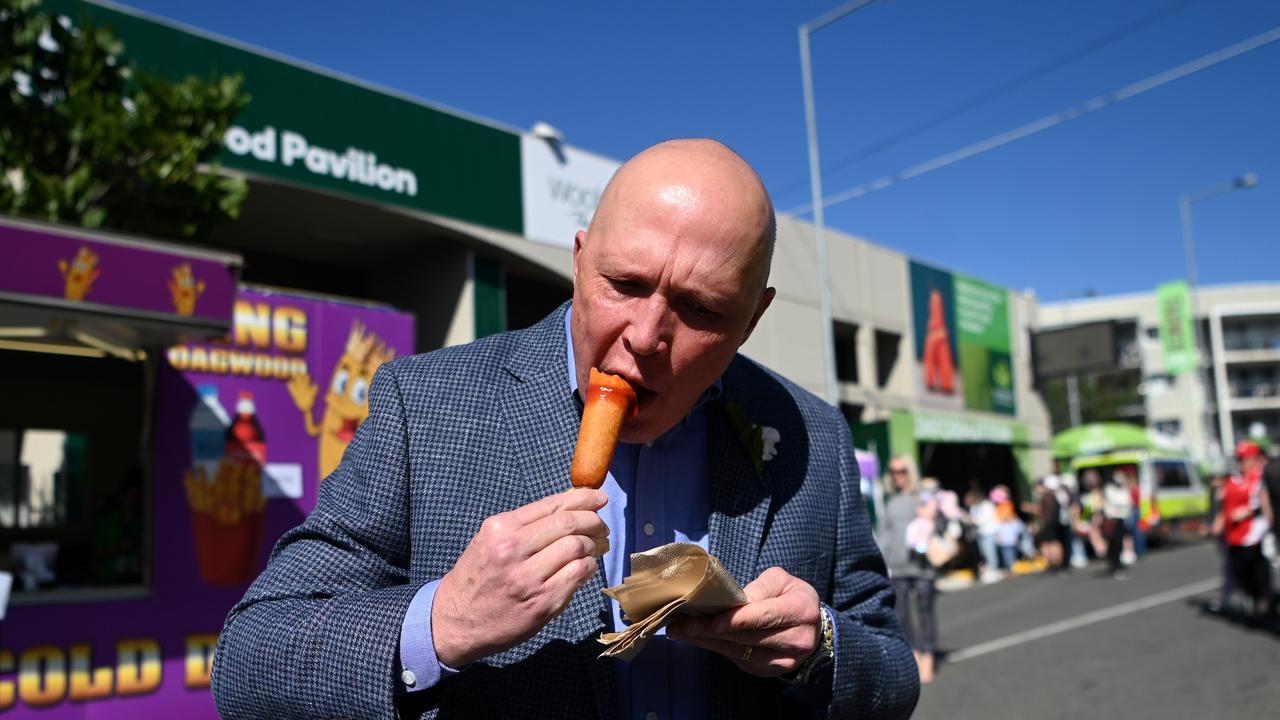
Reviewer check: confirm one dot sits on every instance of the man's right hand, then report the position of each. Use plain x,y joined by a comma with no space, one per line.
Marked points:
518,573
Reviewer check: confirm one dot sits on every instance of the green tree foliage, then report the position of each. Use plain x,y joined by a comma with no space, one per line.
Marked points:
87,138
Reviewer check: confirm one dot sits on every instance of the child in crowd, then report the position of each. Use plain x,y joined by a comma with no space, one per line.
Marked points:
1010,528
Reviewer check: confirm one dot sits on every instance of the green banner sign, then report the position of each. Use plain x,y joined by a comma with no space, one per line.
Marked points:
982,323
930,427
1177,336
314,129
962,341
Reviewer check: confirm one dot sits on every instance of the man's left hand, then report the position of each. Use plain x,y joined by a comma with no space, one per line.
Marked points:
772,635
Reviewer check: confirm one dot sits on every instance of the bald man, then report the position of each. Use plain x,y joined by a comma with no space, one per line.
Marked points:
446,571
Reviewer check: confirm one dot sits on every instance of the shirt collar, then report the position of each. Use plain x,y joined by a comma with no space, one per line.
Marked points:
571,365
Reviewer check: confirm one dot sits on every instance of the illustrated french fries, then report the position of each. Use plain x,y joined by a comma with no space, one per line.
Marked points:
609,400
227,520
234,492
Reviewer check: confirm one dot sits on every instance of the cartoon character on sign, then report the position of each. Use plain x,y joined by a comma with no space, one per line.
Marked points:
939,367
347,403
80,273
185,289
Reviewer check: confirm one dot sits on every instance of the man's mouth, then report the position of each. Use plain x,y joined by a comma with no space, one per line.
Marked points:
643,394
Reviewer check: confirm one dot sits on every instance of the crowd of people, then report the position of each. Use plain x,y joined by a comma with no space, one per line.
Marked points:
1058,528
925,531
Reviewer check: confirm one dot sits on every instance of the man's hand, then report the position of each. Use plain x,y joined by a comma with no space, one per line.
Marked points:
773,634
518,573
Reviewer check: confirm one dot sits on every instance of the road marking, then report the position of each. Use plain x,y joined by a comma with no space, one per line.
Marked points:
1080,621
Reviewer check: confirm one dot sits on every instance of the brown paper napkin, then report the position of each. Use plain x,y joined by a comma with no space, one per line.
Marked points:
677,577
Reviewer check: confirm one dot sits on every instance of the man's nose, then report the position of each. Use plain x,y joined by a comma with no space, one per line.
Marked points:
648,332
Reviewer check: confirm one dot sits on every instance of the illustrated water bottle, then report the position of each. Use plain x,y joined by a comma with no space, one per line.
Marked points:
246,442
208,429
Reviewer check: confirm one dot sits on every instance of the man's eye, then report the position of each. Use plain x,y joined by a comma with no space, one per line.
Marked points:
702,311
627,287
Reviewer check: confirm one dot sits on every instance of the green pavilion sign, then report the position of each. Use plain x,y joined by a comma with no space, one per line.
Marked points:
353,165
936,427
307,127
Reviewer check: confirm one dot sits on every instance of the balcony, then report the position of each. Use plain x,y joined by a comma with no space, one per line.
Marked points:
1254,396
1257,355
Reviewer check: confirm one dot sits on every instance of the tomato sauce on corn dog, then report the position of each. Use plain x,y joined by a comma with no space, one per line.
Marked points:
609,401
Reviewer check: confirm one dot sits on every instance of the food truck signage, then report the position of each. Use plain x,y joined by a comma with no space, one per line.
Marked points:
96,272
244,431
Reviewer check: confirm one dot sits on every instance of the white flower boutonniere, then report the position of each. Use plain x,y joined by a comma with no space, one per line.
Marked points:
760,441
770,437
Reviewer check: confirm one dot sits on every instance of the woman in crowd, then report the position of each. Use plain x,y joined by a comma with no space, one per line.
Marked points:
912,576
1116,506
1049,535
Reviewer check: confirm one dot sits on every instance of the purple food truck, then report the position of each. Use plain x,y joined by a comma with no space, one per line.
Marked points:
163,425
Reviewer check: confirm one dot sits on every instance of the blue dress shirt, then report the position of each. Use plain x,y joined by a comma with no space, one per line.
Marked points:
658,493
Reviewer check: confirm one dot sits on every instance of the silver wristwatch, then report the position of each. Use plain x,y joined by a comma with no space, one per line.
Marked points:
821,657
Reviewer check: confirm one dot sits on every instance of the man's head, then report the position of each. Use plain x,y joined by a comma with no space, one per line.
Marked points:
1250,455
671,277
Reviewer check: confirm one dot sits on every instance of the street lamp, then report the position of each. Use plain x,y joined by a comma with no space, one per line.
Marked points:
1243,182
815,187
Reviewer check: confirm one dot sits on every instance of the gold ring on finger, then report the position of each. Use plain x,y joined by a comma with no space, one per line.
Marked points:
746,654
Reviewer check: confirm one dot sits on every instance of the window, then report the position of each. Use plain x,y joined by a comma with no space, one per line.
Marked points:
852,413
43,470
887,346
846,341
1171,475
72,516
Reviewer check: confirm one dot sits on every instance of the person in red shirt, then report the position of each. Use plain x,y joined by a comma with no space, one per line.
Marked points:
1244,520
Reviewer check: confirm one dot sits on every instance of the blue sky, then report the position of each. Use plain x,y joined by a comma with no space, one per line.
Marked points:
1091,204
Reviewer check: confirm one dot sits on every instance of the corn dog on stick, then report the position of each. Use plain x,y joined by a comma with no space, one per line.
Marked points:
609,400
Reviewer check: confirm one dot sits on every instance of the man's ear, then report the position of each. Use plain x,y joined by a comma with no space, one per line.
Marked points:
760,308
579,241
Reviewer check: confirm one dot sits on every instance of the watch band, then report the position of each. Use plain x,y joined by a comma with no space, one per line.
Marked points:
821,656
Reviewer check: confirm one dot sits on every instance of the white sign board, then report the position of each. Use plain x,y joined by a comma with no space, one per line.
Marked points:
561,188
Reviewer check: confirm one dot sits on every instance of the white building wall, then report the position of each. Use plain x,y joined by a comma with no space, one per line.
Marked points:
1182,398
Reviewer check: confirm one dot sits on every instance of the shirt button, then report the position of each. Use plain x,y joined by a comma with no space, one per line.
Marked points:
649,529
649,444
408,678
651,716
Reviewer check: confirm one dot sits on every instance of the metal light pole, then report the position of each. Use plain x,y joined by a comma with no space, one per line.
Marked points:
1243,182
815,185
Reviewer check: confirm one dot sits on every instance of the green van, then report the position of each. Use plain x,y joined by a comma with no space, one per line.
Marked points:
1168,481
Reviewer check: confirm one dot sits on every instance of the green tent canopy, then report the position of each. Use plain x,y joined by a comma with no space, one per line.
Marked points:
1097,438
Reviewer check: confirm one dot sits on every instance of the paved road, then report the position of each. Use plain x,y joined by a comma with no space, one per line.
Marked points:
1086,646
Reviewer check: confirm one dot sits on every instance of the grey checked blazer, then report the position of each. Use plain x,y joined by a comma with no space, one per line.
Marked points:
460,434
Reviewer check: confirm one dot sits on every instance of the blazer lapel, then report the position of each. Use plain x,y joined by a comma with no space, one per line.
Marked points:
543,422
739,497
739,513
